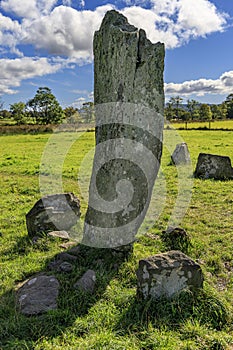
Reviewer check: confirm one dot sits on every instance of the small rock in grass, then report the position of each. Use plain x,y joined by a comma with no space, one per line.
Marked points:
87,282
66,267
67,245
38,295
60,234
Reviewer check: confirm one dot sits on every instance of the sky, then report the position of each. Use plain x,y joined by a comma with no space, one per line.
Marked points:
49,43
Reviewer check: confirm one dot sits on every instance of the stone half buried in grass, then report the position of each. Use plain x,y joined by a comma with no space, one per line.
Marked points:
57,212
38,295
165,275
212,166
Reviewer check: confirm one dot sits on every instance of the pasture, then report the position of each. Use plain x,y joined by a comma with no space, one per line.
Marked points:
113,317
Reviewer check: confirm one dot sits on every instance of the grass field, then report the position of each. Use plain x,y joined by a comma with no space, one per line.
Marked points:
113,318
214,125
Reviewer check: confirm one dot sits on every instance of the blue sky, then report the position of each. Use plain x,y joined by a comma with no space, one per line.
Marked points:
49,43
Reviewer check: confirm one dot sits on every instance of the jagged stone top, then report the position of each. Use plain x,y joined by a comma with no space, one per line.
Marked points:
116,19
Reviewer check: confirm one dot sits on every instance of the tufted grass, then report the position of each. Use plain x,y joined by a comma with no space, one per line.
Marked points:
114,318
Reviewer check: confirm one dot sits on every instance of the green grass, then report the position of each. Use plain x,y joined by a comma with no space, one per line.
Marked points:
114,318
214,124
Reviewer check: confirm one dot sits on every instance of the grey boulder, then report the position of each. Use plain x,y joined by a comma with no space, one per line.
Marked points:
38,295
181,154
87,282
57,212
165,275
212,166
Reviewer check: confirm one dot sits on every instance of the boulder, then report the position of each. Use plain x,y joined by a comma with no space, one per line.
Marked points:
211,166
57,212
38,295
87,282
181,154
165,275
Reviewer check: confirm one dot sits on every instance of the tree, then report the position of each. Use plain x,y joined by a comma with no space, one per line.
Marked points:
205,113
169,111
69,111
223,109
18,112
192,106
44,107
229,104
87,112
176,102
72,115
5,114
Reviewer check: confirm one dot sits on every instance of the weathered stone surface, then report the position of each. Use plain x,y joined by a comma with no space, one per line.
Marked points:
58,212
129,103
66,267
59,234
211,166
38,295
165,275
87,282
181,154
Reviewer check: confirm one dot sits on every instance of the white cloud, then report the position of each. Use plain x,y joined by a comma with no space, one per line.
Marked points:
10,32
29,8
65,31
175,22
12,72
200,87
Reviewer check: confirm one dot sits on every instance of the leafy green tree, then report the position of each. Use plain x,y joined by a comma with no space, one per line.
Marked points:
229,104
176,102
44,107
5,114
223,109
69,111
205,113
169,111
219,111
215,111
87,112
72,115
192,106
18,112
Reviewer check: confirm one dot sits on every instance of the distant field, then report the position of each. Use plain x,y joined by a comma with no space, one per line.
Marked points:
113,318
218,124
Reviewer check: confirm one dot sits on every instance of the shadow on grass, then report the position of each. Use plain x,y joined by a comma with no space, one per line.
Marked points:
202,306
22,332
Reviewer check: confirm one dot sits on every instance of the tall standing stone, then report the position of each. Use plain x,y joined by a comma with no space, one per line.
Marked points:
129,103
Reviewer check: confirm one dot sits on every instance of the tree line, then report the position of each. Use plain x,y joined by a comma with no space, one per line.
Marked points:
44,108
196,111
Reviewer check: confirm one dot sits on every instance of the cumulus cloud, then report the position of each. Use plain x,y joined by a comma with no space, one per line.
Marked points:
13,71
10,32
29,8
65,31
200,87
176,22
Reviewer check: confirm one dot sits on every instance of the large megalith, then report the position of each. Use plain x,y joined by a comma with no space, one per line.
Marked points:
129,103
